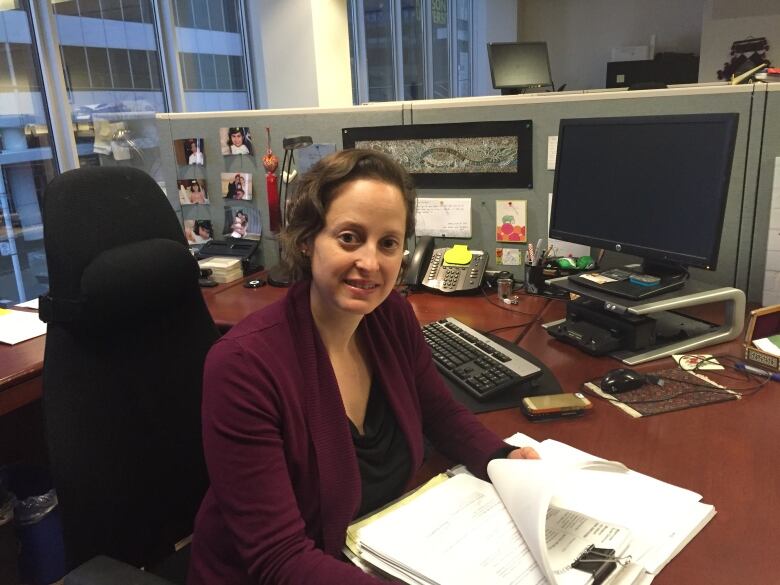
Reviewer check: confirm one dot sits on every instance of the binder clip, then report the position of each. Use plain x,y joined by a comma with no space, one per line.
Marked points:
599,562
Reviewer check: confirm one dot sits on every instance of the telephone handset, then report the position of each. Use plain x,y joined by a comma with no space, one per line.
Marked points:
418,265
447,270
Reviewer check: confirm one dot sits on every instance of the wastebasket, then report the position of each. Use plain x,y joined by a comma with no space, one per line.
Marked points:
7,537
38,527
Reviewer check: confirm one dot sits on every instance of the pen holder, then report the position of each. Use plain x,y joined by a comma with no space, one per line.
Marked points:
534,279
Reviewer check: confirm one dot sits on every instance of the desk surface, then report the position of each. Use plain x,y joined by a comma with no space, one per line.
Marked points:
726,451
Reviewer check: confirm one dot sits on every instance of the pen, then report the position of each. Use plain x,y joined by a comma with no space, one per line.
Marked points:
757,371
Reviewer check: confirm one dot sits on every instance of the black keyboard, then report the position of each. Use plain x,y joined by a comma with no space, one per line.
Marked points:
475,363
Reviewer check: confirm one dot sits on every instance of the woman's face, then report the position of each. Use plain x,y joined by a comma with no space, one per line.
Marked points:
195,187
202,231
237,139
356,257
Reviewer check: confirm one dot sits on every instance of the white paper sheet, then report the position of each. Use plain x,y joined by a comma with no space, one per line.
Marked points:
443,217
552,152
18,326
31,304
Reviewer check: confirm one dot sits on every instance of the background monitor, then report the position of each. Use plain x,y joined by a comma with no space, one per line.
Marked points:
518,66
652,186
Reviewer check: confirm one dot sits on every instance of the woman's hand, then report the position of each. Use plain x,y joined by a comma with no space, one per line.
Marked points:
523,453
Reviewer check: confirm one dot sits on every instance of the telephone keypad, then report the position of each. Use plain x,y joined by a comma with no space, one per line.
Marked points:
452,278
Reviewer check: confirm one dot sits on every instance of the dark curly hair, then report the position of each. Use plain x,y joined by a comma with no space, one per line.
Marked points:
319,186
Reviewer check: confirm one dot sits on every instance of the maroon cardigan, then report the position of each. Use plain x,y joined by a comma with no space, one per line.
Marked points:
284,475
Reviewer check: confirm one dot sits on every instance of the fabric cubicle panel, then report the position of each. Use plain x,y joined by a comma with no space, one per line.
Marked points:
736,267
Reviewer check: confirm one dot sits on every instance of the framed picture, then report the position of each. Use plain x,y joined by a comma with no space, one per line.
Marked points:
461,155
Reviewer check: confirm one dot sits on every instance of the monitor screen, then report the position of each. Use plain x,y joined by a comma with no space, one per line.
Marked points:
519,65
651,186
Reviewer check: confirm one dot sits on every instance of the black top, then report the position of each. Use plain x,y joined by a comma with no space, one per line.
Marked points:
382,453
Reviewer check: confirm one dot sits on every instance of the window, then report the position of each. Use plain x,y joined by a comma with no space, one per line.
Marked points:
211,55
410,49
27,161
114,83
111,63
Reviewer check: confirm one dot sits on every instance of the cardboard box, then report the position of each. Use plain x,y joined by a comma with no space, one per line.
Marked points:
763,322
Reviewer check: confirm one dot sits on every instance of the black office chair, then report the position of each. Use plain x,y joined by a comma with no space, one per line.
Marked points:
128,332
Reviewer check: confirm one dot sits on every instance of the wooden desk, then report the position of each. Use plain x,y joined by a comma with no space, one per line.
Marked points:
727,451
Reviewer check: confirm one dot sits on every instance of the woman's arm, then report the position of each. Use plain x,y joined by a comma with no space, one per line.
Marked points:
452,428
247,463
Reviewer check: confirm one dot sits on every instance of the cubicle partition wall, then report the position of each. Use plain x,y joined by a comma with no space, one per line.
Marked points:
742,260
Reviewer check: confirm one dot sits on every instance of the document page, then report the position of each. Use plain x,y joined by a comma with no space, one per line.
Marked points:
457,534
662,517
568,535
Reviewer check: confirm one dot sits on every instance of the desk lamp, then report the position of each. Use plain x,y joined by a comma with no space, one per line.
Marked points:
278,275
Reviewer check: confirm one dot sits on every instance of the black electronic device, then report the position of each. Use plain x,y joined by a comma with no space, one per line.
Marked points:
474,362
447,270
241,248
598,331
515,67
622,380
651,186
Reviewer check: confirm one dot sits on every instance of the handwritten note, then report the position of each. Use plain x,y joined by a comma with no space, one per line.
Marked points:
443,217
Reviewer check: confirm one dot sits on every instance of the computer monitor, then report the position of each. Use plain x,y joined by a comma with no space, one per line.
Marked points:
651,186
515,67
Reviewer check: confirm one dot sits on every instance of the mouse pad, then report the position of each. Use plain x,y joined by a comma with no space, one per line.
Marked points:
681,390
544,384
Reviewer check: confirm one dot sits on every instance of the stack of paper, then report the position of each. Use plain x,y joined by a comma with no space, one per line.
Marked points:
535,524
223,269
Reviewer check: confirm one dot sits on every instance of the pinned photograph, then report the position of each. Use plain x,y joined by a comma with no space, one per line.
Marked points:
242,221
192,192
189,151
510,221
236,140
236,186
198,231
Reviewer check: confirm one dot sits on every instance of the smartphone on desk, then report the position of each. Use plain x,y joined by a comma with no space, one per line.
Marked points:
552,406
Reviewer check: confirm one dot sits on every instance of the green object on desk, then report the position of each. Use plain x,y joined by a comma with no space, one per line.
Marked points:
585,263
567,263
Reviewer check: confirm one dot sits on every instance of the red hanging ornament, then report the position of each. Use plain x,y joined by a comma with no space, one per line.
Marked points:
271,163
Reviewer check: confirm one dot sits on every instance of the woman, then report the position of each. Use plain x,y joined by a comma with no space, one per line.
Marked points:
196,156
314,408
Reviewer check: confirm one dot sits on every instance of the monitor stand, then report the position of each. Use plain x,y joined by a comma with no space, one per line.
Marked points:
691,334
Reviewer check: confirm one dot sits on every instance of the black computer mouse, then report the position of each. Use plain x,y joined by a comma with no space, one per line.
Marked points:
622,380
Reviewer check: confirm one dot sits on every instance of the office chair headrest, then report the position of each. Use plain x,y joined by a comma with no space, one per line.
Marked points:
127,282
88,211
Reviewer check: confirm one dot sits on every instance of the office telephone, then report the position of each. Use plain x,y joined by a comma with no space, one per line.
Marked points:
448,270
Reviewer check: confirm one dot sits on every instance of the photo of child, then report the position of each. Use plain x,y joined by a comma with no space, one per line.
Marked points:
189,151
242,221
236,185
192,192
198,231
235,140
